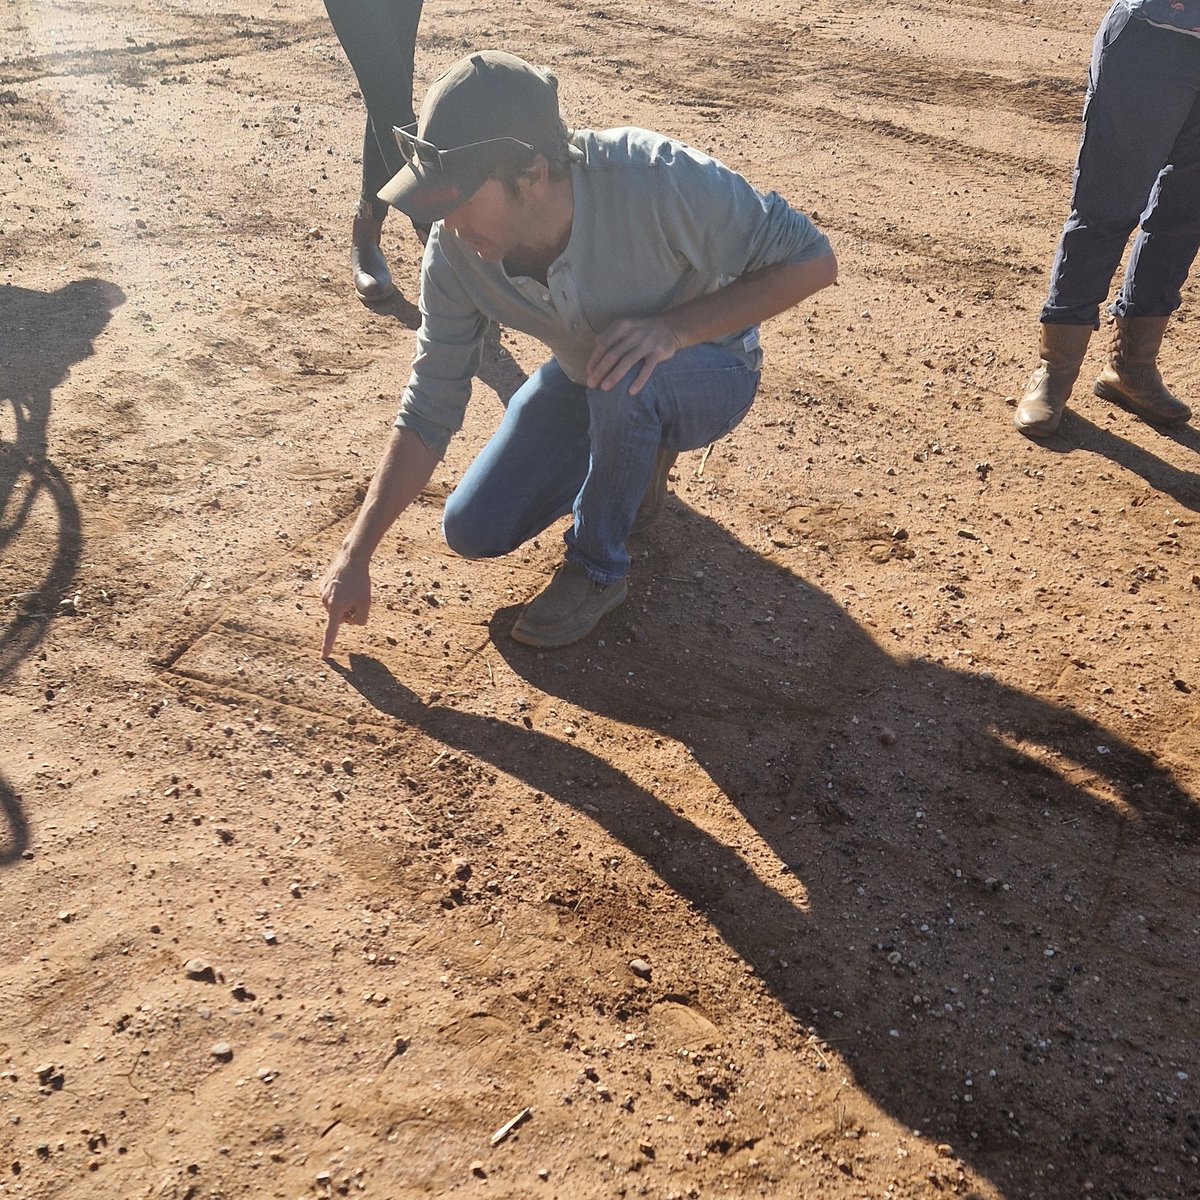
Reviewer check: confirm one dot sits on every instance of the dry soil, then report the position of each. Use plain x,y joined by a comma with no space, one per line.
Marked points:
887,772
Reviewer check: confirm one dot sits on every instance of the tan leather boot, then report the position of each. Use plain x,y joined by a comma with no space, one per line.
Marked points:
1062,351
372,279
1131,377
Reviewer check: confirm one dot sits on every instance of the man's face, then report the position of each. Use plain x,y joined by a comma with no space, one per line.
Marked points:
494,222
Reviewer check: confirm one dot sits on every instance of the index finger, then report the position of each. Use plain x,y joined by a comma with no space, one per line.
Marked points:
331,632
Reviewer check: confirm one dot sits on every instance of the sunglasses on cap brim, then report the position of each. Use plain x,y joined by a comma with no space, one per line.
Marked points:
417,152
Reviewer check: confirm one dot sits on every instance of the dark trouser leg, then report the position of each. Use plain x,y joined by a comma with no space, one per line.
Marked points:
1166,247
379,38
1137,107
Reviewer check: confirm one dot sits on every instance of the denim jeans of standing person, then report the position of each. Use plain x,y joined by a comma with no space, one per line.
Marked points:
1139,160
565,448
379,38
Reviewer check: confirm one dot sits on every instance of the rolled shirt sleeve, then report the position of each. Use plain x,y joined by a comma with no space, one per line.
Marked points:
449,349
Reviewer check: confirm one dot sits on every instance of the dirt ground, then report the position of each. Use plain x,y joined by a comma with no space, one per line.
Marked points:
888,772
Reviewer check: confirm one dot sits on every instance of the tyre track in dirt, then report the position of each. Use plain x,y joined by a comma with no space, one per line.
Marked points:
759,77
131,62
760,59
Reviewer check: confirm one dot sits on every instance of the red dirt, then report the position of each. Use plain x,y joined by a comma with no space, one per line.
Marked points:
887,769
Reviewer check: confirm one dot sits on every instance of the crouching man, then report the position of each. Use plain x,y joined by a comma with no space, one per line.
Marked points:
643,265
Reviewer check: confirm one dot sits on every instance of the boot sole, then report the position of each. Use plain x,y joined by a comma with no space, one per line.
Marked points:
376,298
1037,431
1108,392
565,635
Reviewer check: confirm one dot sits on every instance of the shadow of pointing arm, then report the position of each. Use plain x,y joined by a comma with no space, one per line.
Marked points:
750,914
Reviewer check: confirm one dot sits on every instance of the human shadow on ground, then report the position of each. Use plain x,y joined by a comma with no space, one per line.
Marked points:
1182,486
1001,891
42,335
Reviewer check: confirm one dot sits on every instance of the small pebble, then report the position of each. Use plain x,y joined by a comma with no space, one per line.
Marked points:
222,1051
887,736
640,967
200,970
477,1168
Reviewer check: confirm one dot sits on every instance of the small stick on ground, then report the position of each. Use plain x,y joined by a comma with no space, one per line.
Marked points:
509,1126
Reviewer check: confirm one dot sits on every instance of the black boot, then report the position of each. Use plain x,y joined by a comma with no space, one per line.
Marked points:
372,279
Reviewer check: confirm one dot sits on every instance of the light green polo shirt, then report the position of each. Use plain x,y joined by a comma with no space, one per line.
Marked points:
655,224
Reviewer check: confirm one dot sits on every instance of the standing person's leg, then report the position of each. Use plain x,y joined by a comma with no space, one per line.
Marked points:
691,400
1128,131
1159,264
379,39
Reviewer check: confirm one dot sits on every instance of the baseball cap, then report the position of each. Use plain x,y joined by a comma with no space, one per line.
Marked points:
490,109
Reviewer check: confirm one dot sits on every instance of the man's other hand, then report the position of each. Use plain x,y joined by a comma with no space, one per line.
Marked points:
625,344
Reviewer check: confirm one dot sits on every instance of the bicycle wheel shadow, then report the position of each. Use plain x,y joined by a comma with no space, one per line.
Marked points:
42,335
993,881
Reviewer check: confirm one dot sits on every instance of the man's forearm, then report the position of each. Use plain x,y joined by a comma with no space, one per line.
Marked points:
405,468
641,343
749,300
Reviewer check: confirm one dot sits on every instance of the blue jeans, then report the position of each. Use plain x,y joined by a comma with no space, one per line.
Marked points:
1139,160
565,448
379,38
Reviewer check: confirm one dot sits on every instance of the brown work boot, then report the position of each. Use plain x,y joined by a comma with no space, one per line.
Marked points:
655,498
372,279
568,609
1062,351
1131,377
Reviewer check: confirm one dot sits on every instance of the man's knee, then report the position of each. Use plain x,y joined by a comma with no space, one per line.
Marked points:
468,535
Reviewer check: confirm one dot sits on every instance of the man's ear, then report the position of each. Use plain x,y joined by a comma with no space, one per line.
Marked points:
538,173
